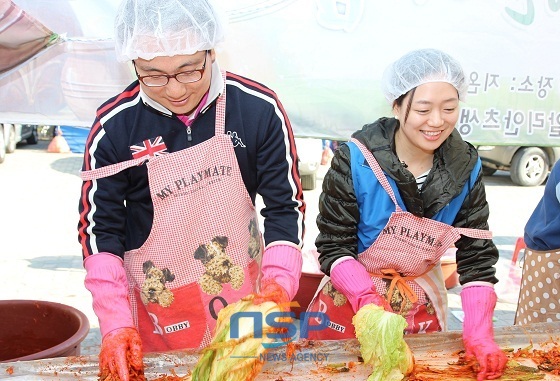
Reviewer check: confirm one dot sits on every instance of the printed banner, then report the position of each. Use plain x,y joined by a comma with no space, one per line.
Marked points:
324,59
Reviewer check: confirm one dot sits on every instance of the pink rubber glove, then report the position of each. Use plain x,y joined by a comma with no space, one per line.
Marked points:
351,278
121,355
106,280
281,266
478,332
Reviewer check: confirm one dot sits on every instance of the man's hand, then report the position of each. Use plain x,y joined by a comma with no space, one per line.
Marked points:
121,355
272,291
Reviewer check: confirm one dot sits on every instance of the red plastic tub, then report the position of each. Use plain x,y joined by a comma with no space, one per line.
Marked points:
309,282
35,329
308,285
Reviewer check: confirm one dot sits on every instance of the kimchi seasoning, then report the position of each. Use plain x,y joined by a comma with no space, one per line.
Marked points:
172,377
547,358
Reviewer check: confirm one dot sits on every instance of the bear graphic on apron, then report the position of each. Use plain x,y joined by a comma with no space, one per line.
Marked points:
404,266
204,249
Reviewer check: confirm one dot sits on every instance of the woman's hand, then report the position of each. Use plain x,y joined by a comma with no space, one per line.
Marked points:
478,333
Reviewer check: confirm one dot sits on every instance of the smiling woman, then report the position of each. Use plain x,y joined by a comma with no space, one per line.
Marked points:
428,114
384,225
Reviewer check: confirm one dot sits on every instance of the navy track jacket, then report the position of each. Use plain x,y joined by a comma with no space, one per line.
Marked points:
116,212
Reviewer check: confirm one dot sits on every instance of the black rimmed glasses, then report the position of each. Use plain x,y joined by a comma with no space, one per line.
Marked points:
182,77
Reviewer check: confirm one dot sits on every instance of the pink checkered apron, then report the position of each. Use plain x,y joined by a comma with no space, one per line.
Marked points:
204,249
404,265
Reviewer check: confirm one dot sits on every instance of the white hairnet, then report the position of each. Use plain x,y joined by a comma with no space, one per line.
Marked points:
152,28
422,66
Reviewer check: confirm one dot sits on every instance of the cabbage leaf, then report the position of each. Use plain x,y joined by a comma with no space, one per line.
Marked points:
382,345
235,359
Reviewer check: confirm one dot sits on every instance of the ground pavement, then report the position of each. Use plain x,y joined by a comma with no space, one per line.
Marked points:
41,257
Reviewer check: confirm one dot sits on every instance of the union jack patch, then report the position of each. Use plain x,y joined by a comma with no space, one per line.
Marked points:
149,148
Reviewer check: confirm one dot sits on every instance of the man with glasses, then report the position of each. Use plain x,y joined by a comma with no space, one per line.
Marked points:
172,167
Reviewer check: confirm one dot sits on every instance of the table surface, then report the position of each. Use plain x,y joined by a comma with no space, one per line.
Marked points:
436,349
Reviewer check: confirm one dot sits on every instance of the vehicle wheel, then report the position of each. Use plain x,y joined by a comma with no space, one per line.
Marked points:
309,182
34,138
11,146
486,171
529,167
2,145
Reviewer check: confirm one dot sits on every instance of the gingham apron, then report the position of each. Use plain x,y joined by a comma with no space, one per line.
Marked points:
404,262
200,203
539,293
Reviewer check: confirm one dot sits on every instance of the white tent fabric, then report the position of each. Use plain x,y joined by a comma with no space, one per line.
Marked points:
324,59
21,36
57,61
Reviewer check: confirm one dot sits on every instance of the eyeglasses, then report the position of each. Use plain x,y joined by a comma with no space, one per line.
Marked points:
182,77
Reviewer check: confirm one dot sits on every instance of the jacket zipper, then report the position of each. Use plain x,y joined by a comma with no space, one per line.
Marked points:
189,136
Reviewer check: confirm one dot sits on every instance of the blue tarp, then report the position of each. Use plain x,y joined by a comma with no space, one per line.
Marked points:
75,137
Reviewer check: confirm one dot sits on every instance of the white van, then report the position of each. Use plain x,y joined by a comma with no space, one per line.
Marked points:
13,134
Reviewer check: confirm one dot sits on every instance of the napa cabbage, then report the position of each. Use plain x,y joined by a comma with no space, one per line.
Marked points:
235,359
382,345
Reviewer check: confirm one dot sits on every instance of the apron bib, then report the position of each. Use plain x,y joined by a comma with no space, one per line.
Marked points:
541,276
404,265
204,249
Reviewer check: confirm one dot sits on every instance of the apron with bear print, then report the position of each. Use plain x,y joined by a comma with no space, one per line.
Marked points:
404,265
204,249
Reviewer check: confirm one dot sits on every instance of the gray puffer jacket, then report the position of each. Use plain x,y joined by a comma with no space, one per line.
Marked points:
453,163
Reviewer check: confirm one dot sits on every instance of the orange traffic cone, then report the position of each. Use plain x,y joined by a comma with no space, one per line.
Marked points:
58,144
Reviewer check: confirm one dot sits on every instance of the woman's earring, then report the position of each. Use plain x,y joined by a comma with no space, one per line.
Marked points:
396,117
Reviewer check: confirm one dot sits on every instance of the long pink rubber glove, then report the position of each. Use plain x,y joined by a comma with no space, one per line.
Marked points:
121,345
351,278
478,332
281,271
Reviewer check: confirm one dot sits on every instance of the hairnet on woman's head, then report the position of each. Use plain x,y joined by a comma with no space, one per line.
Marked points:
153,28
422,66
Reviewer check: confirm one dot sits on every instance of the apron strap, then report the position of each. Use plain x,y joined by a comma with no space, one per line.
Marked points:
399,282
374,165
472,233
111,169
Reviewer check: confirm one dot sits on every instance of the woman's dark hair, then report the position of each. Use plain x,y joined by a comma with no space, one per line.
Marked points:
399,101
